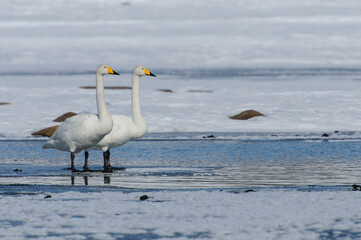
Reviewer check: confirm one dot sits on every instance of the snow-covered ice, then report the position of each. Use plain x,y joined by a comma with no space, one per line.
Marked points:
303,103
182,215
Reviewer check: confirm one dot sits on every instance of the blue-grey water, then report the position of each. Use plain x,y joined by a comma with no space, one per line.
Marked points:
192,161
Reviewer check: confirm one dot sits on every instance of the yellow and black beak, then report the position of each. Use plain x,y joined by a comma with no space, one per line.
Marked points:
111,71
147,72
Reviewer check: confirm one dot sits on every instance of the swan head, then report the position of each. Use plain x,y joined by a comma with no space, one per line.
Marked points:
104,69
142,71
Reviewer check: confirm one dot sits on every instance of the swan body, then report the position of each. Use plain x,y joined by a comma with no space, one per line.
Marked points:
78,133
82,131
125,128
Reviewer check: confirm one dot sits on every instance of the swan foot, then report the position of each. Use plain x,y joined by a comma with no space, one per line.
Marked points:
75,170
108,170
86,169
72,169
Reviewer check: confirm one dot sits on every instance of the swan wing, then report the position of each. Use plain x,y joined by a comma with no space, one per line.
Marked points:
76,133
123,131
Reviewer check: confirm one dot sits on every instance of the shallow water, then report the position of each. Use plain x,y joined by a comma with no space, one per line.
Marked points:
189,161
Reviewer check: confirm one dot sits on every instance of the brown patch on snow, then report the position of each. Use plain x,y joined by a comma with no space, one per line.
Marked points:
245,115
64,116
46,132
166,90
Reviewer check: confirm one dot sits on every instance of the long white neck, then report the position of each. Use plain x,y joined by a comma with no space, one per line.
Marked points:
136,112
101,107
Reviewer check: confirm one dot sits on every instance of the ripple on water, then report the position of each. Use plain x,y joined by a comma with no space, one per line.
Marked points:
184,164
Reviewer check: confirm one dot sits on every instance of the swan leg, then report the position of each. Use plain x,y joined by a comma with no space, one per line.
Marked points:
86,180
86,156
107,166
73,169
85,167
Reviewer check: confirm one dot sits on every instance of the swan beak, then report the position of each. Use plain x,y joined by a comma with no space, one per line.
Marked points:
111,71
147,72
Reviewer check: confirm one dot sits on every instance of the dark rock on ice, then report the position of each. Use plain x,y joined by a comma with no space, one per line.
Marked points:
249,190
209,136
46,132
245,115
356,187
143,198
166,90
64,116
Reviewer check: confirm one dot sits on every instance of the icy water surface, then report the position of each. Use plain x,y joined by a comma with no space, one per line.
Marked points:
230,186
194,161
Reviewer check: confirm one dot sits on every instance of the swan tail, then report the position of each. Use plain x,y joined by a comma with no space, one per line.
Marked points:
48,144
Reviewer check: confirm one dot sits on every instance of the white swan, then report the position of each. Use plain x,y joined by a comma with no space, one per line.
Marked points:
84,130
124,128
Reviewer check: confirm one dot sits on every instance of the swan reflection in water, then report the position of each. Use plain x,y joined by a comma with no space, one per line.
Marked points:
85,179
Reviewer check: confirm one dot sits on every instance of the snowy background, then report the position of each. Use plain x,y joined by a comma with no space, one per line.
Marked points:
64,35
295,61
